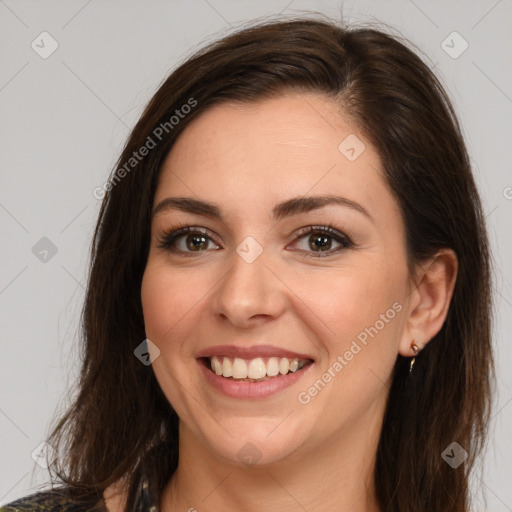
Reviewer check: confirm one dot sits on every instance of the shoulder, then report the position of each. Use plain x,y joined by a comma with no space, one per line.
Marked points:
54,500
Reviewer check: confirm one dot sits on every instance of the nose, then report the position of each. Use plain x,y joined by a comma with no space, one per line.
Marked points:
250,292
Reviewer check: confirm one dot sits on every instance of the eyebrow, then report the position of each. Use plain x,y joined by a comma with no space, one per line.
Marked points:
288,208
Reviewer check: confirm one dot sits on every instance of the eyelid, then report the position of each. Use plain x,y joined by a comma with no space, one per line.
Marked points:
172,233
339,236
327,229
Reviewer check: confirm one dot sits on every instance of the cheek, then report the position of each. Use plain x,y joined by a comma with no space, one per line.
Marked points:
158,299
364,314
167,298
351,300
362,310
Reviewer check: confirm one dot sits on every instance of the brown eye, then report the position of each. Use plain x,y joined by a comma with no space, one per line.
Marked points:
186,240
199,242
322,242
320,239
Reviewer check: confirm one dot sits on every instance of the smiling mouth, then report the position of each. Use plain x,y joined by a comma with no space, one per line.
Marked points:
254,370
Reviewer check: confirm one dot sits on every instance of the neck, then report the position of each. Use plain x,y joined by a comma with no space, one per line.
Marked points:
336,475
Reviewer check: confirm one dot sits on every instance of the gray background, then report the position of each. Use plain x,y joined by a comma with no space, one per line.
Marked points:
63,120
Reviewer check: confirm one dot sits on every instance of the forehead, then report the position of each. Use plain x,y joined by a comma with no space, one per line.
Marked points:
250,156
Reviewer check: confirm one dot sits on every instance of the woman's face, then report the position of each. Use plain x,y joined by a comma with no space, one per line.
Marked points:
250,285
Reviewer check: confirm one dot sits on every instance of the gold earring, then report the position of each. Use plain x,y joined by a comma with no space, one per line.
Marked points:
416,350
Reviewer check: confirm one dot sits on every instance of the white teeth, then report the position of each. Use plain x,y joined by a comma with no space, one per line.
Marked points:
216,366
256,369
239,369
227,368
284,366
272,367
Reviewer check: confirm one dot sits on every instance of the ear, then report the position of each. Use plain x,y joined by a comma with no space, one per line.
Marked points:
429,300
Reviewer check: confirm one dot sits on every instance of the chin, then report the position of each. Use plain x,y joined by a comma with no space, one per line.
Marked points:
257,442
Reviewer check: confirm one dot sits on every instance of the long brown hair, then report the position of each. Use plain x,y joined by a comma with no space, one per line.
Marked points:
120,418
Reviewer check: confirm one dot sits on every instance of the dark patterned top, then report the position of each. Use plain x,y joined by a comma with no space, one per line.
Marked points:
59,499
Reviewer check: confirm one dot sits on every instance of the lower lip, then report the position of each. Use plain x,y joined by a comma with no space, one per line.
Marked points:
239,389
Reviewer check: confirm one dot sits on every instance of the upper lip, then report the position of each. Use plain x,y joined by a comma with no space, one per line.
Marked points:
251,352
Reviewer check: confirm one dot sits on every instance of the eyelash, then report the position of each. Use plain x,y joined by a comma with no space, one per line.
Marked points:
170,235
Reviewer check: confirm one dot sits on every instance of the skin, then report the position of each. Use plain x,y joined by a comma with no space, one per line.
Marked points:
320,455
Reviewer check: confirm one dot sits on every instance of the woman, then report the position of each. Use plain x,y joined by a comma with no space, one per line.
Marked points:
289,296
